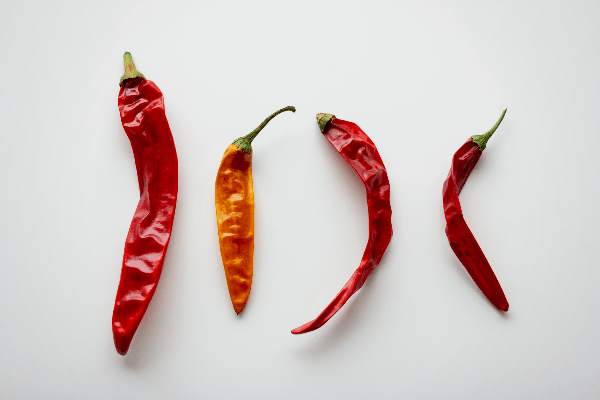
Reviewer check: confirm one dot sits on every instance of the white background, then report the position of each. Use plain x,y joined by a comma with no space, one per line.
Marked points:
419,77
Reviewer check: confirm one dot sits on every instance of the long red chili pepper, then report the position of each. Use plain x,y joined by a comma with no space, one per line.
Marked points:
360,152
142,110
459,235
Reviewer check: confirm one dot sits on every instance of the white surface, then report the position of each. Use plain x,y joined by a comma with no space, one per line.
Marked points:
419,78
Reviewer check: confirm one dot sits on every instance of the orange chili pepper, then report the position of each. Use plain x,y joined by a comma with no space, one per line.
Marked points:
234,201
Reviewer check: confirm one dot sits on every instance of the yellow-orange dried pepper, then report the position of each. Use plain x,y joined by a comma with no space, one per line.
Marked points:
234,201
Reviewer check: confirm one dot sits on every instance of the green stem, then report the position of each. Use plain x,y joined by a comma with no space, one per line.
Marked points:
130,70
323,119
481,140
244,142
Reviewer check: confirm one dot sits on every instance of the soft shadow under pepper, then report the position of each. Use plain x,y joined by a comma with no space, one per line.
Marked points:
459,235
360,152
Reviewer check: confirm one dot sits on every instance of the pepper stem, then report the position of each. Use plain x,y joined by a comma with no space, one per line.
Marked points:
130,70
481,140
323,119
244,142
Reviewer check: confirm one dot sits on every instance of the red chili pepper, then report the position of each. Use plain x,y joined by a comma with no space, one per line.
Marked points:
459,235
360,152
142,110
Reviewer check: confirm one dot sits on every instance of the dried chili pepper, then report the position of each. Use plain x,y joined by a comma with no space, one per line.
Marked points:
360,152
142,110
234,201
459,235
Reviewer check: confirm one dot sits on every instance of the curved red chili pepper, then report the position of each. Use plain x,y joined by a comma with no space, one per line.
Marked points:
142,110
459,235
360,152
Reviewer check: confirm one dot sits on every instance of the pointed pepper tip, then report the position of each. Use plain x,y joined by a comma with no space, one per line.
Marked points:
238,308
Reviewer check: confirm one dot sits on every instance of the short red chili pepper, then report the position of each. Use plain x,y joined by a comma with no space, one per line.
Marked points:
360,152
459,235
142,110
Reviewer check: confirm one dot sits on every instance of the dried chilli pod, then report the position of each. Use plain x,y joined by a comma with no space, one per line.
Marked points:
360,152
234,202
461,239
142,110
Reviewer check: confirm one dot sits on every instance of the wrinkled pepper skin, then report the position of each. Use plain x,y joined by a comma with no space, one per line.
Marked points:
234,200
143,118
459,235
234,203
360,152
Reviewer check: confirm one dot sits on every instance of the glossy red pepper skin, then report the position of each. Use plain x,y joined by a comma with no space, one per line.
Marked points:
143,117
459,235
360,152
